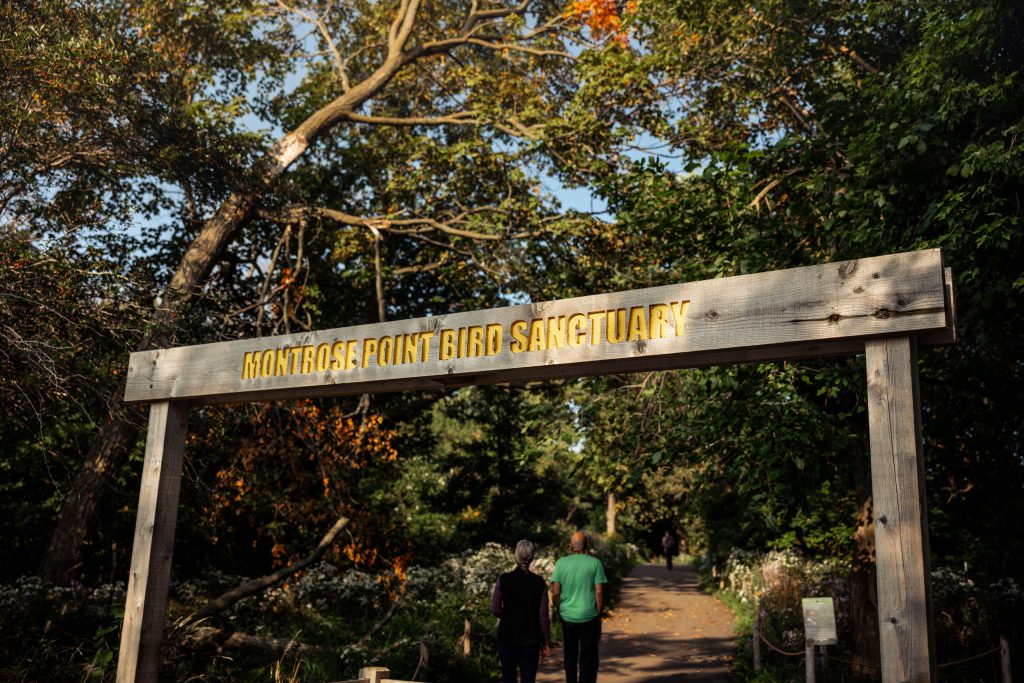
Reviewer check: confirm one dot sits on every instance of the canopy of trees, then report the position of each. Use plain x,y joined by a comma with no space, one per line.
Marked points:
180,172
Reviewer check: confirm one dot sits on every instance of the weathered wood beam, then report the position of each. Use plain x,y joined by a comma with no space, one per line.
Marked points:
146,601
806,312
902,557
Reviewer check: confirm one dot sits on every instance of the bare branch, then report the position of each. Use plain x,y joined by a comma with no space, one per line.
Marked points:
475,19
423,268
378,273
755,203
512,126
387,224
402,26
332,47
464,118
256,585
857,59
513,47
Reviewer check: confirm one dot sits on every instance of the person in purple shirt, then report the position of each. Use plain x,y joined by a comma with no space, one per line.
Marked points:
520,600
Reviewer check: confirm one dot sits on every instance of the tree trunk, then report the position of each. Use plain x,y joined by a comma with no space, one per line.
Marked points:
864,596
109,451
610,515
866,647
119,430
106,457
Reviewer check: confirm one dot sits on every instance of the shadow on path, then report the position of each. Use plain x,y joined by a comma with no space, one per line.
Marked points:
663,629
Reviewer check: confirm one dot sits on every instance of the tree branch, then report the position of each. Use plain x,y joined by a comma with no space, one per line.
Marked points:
857,59
256,585
464,118
332,48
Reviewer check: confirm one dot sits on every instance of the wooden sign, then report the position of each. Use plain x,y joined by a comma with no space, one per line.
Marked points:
803,312
883,307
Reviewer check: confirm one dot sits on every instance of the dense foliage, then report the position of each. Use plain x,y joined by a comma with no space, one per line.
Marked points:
724,137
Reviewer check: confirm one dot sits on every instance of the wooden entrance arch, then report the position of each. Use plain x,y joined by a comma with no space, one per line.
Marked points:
884,307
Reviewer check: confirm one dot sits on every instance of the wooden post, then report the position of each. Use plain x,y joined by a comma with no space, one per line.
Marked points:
757,634
906,632
1004,656
610,515
145,603
374,674
809,660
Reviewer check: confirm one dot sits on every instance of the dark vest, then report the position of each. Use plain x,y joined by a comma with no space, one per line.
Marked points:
521,593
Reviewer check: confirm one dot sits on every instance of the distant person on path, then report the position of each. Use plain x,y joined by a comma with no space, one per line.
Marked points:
577,592
668,544
520,600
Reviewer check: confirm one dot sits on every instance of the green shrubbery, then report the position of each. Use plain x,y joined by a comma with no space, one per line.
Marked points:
55,633
342,618
969,618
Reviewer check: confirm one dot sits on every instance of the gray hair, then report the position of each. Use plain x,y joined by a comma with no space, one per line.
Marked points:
524,553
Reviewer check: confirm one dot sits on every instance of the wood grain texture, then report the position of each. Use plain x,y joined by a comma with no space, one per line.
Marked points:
145,603
901,525
803,312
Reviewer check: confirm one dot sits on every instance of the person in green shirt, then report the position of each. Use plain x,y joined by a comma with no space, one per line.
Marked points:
577,592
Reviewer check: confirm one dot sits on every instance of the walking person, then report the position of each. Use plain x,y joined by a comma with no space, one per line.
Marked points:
577,592
668,544
520,600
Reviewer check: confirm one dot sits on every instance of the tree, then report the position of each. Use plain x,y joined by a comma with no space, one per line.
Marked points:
368,60
813,131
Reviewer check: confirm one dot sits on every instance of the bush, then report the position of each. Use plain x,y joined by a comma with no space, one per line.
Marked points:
969,618
59,633
52,633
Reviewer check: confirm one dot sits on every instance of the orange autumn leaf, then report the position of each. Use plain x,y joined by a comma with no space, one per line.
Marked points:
603,17
292,477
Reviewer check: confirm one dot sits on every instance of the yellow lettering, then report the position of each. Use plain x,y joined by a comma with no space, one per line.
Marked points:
350,355
308,359
338,353
518,343
323,357
281,368
399,348
575,334
637,324
475,343
536,335
462,342
493,339
679,316
595,326
556,332
447,347
412,341
659,321
267,366
251,365
425,345
385,350
369,349
616,326
296,354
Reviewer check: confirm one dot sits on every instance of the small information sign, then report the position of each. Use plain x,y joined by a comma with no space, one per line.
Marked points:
819,621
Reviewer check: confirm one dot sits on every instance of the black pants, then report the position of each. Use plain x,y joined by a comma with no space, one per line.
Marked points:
522,657
581,656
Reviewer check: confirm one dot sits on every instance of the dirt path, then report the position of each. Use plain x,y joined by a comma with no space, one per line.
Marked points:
663,629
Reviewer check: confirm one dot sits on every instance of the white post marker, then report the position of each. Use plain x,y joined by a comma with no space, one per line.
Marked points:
819,628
